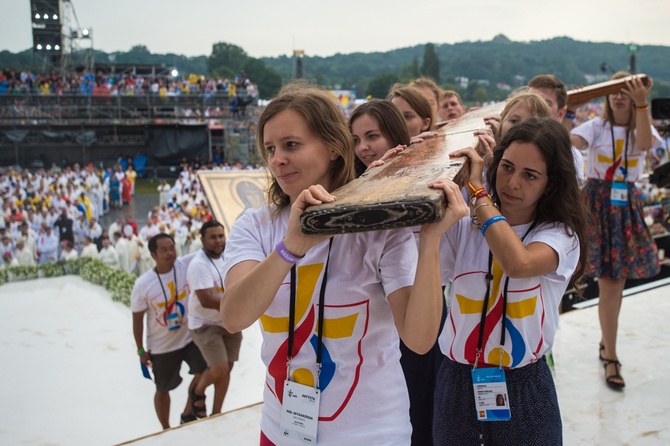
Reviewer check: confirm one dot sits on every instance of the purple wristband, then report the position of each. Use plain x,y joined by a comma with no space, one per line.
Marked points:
285,254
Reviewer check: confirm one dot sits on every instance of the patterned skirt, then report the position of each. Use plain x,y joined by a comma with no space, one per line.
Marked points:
621,246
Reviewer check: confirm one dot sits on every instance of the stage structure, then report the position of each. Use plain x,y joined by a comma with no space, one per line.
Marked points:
46,22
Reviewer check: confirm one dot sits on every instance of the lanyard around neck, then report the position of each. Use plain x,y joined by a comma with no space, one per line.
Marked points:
176,292
489,277
291,314
217,269
625,153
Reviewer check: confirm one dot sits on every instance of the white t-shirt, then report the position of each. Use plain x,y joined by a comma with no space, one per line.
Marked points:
532,303
599,162
203,273
148,296
364,398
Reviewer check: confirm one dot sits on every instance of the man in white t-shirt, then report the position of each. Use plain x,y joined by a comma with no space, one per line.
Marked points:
162,294
219,347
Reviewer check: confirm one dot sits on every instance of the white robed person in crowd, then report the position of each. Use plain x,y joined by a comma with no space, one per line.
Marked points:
47,245
134,243
108,254
89,249
94,229
23,254
79,229
68,252
8,260
164,192
122,249
116,226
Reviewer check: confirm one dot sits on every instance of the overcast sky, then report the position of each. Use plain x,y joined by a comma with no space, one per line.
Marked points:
323,28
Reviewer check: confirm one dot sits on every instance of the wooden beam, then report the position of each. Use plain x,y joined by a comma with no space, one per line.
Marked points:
396,194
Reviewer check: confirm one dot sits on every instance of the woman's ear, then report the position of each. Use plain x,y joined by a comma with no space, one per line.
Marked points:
334,155
425,125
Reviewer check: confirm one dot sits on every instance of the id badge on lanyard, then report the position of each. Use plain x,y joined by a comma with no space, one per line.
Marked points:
619,194
300,412
300,406
489,384
491,399
173,321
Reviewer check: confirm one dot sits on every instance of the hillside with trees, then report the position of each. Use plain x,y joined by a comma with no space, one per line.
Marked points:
484,65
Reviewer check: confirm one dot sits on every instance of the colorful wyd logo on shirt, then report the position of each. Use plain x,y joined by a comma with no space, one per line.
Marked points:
343,326
171,304
617,164
524,305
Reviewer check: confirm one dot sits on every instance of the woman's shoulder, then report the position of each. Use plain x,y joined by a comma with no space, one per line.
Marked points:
262,218
557,231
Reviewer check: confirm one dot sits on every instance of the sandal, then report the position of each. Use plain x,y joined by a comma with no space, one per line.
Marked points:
613,381
198,411
600,351
187,418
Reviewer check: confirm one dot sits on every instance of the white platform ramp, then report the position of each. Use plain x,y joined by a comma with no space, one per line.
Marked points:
593,414
70,376
235,428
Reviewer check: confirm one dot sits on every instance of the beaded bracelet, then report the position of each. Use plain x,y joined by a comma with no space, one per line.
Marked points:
475,220
285,254
490,221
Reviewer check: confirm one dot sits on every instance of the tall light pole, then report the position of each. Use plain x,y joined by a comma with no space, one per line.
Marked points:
87,33
632,49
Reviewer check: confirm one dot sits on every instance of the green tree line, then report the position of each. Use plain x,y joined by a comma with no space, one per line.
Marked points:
477,70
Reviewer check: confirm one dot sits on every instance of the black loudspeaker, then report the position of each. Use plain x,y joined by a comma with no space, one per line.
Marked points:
45,11
48,40
46,22
660,108
661,175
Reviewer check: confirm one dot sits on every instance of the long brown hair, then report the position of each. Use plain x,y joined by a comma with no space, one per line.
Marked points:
416,99
562,201
608,113
391,124
324,118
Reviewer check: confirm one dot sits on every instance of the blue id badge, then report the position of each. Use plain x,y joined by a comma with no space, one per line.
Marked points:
491,400
619,194
145,370
173,321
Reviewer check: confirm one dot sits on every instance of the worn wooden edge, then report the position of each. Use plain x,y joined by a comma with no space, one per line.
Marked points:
334,218
379,216
583,94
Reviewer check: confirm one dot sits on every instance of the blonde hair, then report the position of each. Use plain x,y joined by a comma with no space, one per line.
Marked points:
536,105
426,82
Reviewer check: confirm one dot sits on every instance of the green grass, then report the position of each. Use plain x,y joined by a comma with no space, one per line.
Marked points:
145,186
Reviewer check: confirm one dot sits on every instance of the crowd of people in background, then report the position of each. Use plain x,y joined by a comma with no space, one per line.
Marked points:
53,215
104,84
